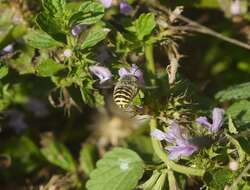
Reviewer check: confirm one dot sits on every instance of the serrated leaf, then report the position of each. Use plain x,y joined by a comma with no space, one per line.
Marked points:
54,6
144,25
4,70
38,39
49,68
94,37
52,26
240,111
89,13
56,153
119,169
236,92
88,157
220,178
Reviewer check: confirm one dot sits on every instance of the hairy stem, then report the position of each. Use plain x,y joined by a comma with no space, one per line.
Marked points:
150,66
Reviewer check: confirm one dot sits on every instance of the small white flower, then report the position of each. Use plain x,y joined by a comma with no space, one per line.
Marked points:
235,7
67,53
233,165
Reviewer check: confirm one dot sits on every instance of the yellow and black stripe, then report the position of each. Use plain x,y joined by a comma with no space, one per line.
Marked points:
125,90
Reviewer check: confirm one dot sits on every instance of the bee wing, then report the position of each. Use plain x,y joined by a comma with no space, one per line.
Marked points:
148,87
105,85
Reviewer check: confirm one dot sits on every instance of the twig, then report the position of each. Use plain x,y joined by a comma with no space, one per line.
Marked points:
243,173
197,27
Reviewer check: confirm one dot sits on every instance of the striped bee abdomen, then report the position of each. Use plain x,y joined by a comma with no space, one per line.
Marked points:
125,90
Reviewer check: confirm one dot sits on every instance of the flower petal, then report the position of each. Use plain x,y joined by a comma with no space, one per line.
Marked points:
158,134
125,8
235,7
174,134
123,72
101,72
137,72
217,119
106,3
175,152
133,70
204,122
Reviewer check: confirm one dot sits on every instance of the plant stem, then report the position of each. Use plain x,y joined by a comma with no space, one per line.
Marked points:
149,54
163,156
197,27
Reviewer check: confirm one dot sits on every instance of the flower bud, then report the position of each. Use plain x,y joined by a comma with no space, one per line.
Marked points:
233,165
67,53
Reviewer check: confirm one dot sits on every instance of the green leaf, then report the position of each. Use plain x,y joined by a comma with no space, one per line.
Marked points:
89,13
94,37
23,62
52,26
49,68
119,169
143,146
244,143
208,4
56,153
4,70
220,178
148,185
38,39
237,92
161,181
144,25
231,126
240,111
54,6
87,97
88,157
13,33
25,154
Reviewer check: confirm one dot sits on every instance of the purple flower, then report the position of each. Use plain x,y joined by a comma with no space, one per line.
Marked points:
77,29
9,48
106,3
134,70
216,123
101,72
176,152
158,134
175,135
125,8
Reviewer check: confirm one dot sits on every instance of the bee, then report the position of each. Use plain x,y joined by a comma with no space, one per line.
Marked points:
125,90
